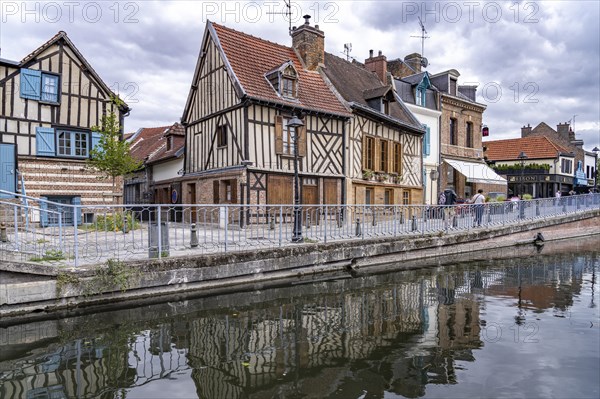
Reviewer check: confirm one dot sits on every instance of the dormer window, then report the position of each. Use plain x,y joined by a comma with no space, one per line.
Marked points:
284,80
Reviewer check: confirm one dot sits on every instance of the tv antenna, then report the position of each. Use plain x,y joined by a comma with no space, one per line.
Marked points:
287,13
422,37
347,50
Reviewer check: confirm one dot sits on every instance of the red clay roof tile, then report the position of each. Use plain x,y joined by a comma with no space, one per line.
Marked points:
251,57
535,147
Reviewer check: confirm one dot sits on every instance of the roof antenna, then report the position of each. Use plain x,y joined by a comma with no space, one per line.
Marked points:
423,37
287,13
347,50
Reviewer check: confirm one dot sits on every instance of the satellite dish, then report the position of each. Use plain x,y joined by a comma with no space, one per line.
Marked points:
424,62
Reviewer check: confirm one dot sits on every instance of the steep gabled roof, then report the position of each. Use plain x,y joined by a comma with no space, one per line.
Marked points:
250,57
149,145
354,83
62,35
535,147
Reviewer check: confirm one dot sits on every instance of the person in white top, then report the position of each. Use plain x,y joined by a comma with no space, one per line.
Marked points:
478,199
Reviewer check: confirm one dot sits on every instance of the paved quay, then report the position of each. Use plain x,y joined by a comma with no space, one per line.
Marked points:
208,273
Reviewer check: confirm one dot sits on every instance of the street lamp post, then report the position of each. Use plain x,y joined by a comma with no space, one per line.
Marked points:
522,157
295,123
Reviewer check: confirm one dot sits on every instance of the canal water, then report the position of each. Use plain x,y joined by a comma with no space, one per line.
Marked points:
505,328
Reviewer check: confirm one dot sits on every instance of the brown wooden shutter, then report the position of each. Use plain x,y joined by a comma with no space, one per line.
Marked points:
216,192
377,155
364,152
302,141
390,165
278,134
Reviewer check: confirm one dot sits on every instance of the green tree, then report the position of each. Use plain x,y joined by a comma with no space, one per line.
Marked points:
112,156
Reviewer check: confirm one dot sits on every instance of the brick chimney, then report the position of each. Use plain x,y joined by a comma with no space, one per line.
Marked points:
309,43
378,65
525,131
563,131
414,61
571,134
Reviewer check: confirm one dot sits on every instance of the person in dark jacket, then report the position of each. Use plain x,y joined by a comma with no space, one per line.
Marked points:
449,211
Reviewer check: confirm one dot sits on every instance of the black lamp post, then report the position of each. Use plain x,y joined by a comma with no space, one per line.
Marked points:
295,123
595,151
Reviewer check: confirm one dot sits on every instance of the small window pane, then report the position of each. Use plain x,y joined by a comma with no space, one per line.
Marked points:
64,143
49,88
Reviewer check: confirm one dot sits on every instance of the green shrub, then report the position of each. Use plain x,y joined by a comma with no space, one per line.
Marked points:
116,222
527,196
49,255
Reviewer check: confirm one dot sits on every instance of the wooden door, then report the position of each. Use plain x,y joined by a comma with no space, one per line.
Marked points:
330,192
280,190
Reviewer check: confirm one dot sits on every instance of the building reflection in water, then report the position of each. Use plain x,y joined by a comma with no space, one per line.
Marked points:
395,333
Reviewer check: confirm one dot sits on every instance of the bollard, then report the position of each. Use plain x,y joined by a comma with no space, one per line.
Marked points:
413,225
454,222
521,209
578,202
308,221
489,214
194,236
564,206
374,219
537,208
340,220
272,223
402,217
3,235
358,229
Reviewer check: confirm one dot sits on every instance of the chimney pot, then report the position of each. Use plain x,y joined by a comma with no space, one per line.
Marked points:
316,26
379,52
370,53
306,19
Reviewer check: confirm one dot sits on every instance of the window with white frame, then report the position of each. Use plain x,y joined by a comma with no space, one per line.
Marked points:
72,144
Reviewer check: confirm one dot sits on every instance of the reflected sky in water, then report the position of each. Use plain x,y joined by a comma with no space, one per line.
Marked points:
514,328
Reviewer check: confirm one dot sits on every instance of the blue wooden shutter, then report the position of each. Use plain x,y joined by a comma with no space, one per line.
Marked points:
8,172
43,213
49,88
31,83
95,140
427,141
44,141
76,201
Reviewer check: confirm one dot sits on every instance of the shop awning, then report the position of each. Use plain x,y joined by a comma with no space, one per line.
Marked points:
476,172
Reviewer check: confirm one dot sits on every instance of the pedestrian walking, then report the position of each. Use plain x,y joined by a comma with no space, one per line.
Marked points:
449,209
478,200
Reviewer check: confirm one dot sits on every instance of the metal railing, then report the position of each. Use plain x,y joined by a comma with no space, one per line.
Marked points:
46,232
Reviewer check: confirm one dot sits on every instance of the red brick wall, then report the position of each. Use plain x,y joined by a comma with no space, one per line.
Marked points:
65,177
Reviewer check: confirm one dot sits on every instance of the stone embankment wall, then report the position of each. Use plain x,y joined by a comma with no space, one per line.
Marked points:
157,280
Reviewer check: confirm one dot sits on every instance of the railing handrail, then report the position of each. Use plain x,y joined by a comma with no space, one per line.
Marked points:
29,207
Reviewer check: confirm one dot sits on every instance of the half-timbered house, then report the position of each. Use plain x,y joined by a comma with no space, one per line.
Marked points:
49,102
384,140
239,148
161,151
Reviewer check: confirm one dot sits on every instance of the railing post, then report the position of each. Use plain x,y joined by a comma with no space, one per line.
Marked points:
226,226
75,234
159,230
60,233
325,223
280,225
16,219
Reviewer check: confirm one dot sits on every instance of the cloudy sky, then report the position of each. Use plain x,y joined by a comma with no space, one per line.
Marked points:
533,61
